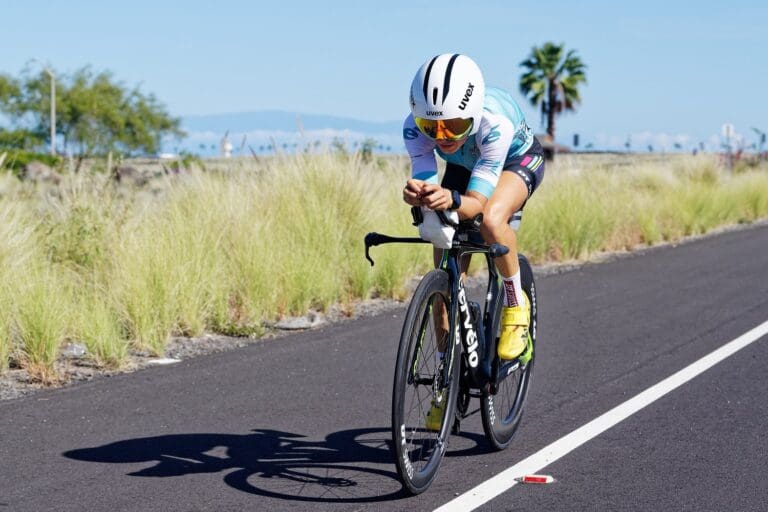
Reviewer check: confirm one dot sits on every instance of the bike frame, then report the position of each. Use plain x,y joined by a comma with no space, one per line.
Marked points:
477,333
474,335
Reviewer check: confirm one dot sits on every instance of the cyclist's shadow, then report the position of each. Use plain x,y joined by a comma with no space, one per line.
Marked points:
268,462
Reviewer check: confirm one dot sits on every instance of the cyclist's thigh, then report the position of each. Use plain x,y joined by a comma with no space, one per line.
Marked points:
508,197
529,167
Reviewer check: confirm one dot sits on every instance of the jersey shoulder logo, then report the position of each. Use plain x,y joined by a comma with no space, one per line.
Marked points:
492,136
410,133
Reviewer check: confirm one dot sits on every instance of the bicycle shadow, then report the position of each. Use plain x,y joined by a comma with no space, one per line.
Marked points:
266,462
273,463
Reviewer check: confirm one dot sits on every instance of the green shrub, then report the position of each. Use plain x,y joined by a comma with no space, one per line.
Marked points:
17,159
42,322
97,324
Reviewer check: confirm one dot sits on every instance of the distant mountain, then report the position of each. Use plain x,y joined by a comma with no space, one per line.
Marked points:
277,120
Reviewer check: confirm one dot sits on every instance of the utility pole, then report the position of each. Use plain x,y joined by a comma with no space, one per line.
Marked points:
53,110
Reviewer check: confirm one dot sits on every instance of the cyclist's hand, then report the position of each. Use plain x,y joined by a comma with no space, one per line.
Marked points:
413,191
436,197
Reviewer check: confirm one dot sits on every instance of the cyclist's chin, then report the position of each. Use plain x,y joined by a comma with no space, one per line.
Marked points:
449,147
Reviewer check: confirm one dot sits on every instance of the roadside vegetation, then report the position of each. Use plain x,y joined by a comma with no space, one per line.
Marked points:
119,268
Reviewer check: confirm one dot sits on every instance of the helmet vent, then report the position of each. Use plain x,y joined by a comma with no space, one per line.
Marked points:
426,77
448,70
434,96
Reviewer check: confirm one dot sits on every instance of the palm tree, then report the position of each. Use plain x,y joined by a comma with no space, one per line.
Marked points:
551,81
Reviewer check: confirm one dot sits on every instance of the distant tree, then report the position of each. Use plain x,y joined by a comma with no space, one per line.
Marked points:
17,138
95,114
10,92
551,81
366,149
339,146
20,139
761,138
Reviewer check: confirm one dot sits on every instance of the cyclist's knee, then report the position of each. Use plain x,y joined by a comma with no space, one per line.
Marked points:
495,222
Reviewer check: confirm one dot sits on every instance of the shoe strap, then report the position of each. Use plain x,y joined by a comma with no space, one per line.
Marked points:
514,316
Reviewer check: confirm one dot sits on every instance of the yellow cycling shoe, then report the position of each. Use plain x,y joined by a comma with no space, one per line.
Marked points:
435,416
514,330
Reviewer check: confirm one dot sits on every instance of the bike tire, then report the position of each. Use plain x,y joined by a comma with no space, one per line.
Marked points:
502,411
418,451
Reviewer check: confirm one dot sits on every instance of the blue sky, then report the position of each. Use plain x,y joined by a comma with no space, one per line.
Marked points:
658,71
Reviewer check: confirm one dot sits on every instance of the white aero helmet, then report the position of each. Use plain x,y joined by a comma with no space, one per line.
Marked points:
447,96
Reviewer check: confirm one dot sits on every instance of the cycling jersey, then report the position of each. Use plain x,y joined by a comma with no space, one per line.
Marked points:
503,136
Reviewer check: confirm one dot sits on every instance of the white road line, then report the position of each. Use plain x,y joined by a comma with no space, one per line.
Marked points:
549,454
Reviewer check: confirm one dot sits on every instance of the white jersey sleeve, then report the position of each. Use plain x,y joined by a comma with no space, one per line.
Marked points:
421,149
494,139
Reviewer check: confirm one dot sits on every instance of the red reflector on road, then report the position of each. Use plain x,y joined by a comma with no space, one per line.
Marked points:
535,479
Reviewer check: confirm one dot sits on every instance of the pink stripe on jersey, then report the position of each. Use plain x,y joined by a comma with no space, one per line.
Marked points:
526,161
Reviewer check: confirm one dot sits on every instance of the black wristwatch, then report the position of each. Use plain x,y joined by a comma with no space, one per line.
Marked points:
456,198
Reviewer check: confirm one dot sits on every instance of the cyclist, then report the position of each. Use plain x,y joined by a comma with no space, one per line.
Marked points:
493,165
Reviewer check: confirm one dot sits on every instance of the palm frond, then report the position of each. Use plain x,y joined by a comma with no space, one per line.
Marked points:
550,67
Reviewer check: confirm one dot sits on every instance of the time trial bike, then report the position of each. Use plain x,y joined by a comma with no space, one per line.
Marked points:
469,367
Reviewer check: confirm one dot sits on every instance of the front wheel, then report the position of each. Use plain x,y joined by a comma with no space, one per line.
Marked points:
422,380
502,412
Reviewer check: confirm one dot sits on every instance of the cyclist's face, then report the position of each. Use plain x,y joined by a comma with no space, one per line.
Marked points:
450,146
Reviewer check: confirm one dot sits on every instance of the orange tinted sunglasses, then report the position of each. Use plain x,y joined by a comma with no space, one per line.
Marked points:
444,129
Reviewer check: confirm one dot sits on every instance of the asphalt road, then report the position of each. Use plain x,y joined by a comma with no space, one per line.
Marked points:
302,422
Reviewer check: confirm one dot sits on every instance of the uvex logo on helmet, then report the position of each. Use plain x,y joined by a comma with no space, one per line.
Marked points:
466,97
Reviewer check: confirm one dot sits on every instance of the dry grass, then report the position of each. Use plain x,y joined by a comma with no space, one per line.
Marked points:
121,269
